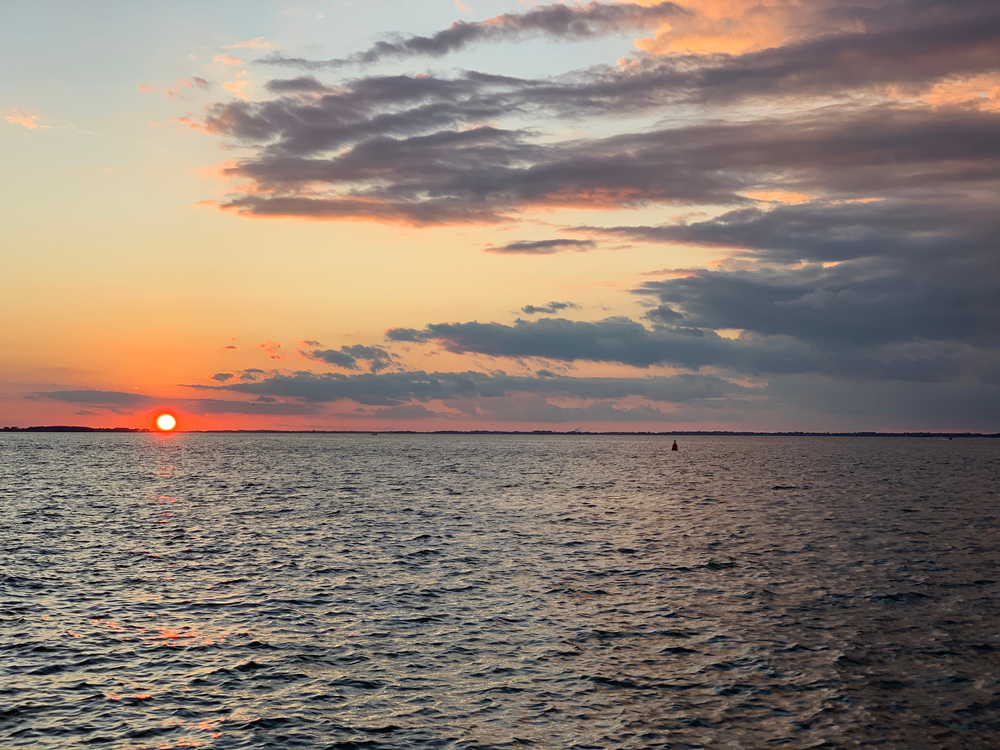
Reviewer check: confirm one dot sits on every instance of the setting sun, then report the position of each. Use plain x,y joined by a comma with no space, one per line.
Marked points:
166,422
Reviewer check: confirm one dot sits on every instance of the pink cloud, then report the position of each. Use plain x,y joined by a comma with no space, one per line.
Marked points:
179,86
255,43
20,117
227,60
272,349
236,88
191,123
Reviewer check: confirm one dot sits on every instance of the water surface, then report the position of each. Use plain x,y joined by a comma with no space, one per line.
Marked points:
347,591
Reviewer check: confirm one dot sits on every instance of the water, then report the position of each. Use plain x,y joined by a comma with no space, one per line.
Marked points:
334,591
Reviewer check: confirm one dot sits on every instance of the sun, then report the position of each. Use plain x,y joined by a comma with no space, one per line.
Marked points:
166,422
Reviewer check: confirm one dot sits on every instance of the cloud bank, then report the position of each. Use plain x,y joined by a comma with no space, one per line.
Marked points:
842,161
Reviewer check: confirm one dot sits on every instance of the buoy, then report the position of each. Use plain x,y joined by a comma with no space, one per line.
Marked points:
674,446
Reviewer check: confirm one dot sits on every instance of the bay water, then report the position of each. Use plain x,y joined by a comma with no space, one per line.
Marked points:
498,591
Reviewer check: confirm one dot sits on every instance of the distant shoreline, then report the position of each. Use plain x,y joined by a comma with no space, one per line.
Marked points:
720,433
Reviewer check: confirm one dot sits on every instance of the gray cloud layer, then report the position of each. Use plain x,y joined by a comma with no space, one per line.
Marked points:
397,388
860,203
625,341
487,174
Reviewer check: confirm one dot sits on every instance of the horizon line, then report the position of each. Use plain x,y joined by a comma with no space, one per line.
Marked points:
737,433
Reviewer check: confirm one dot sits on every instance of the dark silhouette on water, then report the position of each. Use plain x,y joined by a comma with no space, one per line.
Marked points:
674,446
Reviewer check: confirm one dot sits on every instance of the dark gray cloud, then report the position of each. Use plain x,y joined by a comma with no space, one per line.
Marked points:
826,232
222,377
99,398
347,357
398,388
626,341
486,174
870,301
549,309
563,22
911,271
542,247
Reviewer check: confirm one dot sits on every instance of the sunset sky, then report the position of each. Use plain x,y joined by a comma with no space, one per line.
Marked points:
426,214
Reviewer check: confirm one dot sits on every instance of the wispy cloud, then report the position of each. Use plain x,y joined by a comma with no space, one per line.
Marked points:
177,89
255,43
272,349
22,118
558,21
541,247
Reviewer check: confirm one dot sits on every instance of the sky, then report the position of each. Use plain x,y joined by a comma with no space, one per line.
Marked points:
492,214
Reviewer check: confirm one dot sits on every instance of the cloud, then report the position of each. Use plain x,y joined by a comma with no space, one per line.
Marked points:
227,60
99,398
486,174
549,309
236,88
347,357
557,21
416,149
22,118
542,247
538,409
222,377
625,341
825,231
85,413
409,411
263,408
122,403
272,349
398,388
255,43
483,398
177,89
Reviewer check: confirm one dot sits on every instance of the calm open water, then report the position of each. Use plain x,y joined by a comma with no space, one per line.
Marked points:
354,591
